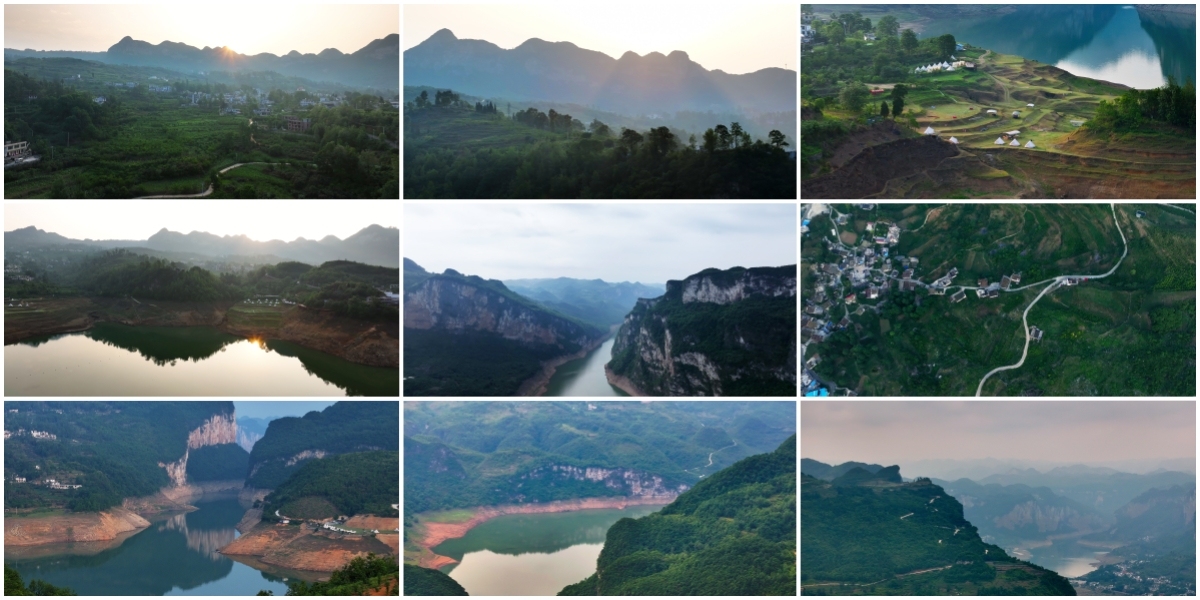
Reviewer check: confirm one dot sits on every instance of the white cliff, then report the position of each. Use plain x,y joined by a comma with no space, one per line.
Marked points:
217,430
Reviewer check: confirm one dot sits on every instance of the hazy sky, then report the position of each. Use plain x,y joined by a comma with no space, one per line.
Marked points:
247,27
735,37
260,220
649,243
262,409
1087,432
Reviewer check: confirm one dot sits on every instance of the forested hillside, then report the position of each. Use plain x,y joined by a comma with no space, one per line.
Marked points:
112,449
221,462
343,427
733,534
465,454
419,581
346,484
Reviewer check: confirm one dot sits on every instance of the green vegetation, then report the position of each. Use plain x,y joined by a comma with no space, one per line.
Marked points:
140,142
360,575
346,484
453,150
733,534
1169,104
419,581
216,463
112,449
896,538
13,586
467,454
341,428
1164,565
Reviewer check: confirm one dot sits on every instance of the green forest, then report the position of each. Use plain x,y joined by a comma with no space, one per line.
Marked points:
419,581
733,534
456,150
360,575
119,447
218,463
15,586
140,142
1138,110
353,483
343,427
465,454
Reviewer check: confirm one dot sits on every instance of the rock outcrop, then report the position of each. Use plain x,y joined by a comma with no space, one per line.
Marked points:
76,527
634,484
715,333
300,548
217,430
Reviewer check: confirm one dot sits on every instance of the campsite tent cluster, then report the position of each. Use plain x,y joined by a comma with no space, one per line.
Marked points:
930,131
943,66
1013,135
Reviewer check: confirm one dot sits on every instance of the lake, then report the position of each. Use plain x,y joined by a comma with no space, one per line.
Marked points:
532,555
176,555
1116,43
120,360
584,376
1067,558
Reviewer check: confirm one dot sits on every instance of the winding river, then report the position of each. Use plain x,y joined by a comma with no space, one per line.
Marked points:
585,376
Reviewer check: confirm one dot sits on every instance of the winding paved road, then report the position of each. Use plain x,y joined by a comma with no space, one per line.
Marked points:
209,191
1057,281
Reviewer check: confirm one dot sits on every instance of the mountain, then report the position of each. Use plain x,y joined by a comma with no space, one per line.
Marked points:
1161,558
374,65
859,476
374,244
353,426
564,72
419,581
904,539
733,534
820,470
595,301
222,462
468,454
250,430
1099,488
469,336
716,333
346,484
1155,514
113,450
1019,512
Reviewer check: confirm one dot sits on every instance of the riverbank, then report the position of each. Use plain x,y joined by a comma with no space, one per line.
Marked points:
72,527
298,547
623,383
362,342
428,534
536,385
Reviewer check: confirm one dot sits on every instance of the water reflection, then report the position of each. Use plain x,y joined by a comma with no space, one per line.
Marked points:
140,361
585,376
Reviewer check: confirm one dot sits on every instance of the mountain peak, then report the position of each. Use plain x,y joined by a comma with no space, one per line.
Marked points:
442,35
629,55
678,55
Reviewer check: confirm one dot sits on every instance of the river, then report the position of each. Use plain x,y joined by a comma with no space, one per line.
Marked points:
585,376
1067,558
176,555
1111,42
532,554
121,360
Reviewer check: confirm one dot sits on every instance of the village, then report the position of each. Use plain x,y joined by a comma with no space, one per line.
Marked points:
863,277
337,525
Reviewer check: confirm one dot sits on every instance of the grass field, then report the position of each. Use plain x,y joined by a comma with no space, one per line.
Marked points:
257,316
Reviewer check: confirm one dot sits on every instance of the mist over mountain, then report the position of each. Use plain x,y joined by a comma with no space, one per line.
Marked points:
564,72
374,65
374,244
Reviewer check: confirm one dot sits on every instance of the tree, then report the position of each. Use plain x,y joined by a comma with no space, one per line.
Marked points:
883,109
723,136
630,140
908,40
836,33
661,140
711,142
854,96
777,138
735,132
599,129
898,94
887,26
946,45
692,142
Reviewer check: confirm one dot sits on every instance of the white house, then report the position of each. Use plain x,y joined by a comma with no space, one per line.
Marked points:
1029,105
99,99
991,111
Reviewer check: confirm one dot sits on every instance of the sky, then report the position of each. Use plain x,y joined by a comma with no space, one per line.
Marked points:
262,409
647,243
1088,432
248,28
735,37
260,220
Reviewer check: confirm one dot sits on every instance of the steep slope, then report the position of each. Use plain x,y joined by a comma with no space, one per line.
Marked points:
564,72
419,581
346,484
1157,513
464,335
715,333
904,538
820,470
344,427
1019,512
731,535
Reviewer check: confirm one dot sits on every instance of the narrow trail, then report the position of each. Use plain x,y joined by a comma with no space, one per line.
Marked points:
209,191
1057,281
1180,208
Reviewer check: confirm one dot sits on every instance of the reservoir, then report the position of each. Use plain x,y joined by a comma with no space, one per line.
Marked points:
532,555
1122,44
175,555
1067,558
585,376
120,360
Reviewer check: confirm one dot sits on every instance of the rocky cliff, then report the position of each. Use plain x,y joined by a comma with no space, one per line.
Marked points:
634,484
218,429
716,333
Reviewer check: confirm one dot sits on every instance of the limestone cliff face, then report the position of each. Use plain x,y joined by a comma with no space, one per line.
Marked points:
460,304
635,484
217,430
715,333
1047,519
247,439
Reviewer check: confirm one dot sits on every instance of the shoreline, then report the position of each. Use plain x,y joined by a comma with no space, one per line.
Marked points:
435,533
536,384
623,383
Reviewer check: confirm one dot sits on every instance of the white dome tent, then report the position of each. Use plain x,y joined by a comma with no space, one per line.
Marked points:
930,131
953,140
999,142
1015,143
1029,144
